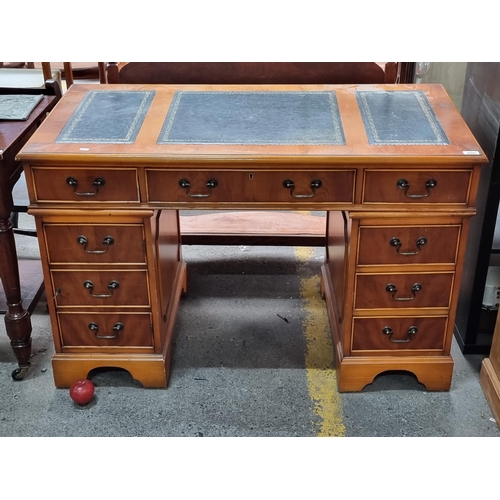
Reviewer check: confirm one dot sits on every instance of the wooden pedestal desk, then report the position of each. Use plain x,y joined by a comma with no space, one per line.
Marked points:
394,166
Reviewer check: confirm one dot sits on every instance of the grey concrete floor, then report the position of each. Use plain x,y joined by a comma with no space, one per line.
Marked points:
239,368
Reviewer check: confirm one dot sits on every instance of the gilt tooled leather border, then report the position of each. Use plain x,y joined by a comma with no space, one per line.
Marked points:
399,117
107,117
235,117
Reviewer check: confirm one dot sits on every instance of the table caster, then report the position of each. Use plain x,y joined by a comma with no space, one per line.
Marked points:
21,372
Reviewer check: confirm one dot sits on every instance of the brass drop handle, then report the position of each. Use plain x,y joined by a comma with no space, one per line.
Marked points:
211,184
98,182
113,285
108,240
315,184
396,242
391,288
405,185
95,328
387,330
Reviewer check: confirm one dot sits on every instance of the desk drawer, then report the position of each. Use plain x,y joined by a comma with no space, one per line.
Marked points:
100,288
417,186
401,245
95,243
89,185
105,329
250,186
383,291
399,334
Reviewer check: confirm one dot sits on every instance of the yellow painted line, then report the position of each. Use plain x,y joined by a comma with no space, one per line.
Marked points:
319,356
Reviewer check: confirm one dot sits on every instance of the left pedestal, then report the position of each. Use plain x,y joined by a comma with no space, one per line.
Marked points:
113,283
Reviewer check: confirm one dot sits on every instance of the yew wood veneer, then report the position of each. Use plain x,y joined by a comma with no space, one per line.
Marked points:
394,166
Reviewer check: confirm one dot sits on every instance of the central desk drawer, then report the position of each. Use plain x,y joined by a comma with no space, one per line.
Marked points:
105,329
100,288
417,186
384,291
95,244
90,185
336,186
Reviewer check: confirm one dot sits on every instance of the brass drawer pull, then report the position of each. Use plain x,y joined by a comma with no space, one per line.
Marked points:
315,184
117,328
108,240
113,285
98,182
404,184
396,242
211,184
391,288
387,330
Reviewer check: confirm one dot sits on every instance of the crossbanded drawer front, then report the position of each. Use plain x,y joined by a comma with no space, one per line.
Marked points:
95,243
250,186
399,334
89,185
105,329
100,288
407,245
417,186
387,291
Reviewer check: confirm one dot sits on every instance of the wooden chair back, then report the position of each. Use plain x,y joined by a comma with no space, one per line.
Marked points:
253,72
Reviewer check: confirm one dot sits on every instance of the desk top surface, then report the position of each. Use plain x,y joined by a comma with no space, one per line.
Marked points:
164,124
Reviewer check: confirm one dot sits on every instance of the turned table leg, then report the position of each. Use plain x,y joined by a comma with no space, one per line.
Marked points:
17,319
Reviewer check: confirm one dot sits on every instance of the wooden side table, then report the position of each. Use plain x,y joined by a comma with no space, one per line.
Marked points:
13,136
490,374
